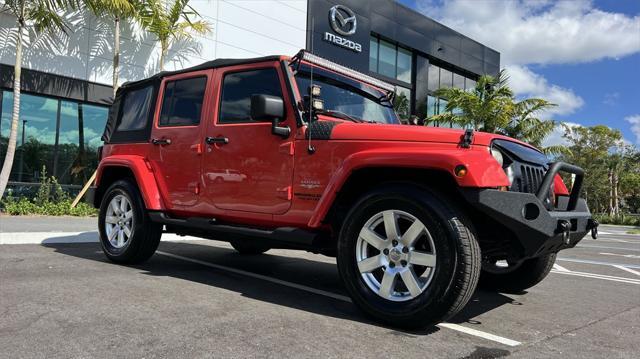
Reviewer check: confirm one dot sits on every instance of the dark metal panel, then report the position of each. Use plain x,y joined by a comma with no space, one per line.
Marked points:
384,26
421,73
491,56
472,48
43,83
472,63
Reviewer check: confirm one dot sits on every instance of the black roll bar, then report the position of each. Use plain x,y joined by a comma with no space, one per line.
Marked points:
543,190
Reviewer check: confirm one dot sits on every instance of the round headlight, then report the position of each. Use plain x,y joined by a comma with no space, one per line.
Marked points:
498,156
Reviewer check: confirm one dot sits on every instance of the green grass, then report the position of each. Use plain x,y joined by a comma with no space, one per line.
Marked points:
634,231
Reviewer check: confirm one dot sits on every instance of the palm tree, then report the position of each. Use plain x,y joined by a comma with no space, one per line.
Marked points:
39,16
171,20
490,107
118,10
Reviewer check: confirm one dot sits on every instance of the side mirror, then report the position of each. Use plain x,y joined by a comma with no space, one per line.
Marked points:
269,108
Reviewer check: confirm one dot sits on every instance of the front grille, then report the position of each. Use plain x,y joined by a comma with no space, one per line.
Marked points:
530,178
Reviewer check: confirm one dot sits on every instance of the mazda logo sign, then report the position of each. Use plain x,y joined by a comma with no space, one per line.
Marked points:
342,20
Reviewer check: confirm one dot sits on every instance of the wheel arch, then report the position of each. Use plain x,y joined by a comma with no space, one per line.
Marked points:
134,168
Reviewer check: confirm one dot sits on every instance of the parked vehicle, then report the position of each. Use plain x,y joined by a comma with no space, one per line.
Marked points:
416,216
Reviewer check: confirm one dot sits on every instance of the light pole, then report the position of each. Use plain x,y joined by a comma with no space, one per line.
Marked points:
24,122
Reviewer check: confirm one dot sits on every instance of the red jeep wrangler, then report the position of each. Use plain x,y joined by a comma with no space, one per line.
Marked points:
302,153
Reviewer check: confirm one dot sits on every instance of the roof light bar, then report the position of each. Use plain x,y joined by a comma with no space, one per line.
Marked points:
317,60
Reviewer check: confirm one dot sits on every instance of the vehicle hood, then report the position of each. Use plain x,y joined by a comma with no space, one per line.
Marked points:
384,132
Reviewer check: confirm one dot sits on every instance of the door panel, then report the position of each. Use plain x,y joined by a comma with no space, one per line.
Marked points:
252,170
178,135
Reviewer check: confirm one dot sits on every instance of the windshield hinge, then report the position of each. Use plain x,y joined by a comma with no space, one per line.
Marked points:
467,138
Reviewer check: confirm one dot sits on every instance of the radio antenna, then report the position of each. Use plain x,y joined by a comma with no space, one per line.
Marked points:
310,149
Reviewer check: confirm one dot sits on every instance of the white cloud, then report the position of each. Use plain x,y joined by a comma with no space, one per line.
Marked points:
635,125
541,32
556,137
526,83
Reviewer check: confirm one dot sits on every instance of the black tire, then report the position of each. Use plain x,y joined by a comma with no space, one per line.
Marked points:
249,248
525,275
145,234
457,253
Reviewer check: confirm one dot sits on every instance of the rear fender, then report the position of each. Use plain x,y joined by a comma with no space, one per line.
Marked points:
143,173
482,170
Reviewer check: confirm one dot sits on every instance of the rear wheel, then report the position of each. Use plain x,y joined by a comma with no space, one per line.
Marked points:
407,257
515,277
249,248
127,234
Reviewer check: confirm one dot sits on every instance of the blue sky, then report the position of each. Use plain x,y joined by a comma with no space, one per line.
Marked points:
582,55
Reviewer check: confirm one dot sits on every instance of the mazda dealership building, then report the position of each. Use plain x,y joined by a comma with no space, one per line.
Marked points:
67,84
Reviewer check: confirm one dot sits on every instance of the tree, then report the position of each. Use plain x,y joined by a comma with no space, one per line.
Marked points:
37,16
401,106
171,20
491,107
595,149
118,10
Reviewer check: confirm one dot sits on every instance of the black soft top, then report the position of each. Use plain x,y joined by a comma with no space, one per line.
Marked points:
110,135
203,66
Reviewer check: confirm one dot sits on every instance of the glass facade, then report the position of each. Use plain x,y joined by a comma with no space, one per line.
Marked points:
438,78
61,136
390,60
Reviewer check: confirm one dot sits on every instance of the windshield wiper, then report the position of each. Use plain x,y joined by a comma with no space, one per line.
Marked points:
341,115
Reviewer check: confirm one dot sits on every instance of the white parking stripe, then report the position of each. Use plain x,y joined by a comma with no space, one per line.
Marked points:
599,276
628,270
477,333
634,266
456,327
560,268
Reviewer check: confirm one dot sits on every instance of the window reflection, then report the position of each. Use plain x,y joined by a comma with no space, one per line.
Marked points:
56,134
387,63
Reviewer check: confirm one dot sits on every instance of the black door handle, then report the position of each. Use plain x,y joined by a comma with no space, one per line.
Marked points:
220,140
161,142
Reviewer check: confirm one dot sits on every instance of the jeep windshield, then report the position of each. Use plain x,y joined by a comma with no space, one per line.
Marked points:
345,96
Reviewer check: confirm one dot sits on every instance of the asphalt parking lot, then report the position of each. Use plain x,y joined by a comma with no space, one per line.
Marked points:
60,297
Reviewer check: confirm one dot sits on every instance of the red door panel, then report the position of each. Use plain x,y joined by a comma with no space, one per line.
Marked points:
177,164
252,172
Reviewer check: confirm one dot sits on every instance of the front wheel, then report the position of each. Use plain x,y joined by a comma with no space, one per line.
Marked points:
127,234
407,257
515,277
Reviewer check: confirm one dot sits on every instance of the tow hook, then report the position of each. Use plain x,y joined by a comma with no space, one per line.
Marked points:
564,227
593,225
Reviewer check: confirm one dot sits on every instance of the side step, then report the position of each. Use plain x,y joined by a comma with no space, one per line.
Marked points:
283,237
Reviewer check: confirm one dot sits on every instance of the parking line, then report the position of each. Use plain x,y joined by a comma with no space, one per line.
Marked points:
559,268
628,270
599,276
634,266
451,326
608,247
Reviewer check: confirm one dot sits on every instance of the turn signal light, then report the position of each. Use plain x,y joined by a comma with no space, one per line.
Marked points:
460,171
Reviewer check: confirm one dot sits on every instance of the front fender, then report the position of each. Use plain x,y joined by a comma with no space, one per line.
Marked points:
143,173
483,171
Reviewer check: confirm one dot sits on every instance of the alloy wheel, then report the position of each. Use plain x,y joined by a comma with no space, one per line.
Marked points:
396,255
119,221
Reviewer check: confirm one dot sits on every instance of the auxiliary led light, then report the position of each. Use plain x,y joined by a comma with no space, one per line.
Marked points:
460,171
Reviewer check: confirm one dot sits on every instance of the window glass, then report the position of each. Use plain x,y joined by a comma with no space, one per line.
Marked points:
342,94
403,102
431,106
446,78
68,158
5,121
135,109
237,89
404,65
182,102
433,80
470,84
458,81
442,107
373,54
94,119
387,63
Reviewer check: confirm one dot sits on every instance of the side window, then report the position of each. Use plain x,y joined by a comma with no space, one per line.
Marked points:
182,102
135,109
237,88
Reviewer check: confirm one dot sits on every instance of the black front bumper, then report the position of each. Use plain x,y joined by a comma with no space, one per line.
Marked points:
538,230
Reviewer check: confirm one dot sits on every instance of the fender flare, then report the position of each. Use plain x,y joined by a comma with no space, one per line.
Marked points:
482,170
143,174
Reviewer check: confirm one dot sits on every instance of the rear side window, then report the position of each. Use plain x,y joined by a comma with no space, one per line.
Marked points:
182,102
135,109
237,88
